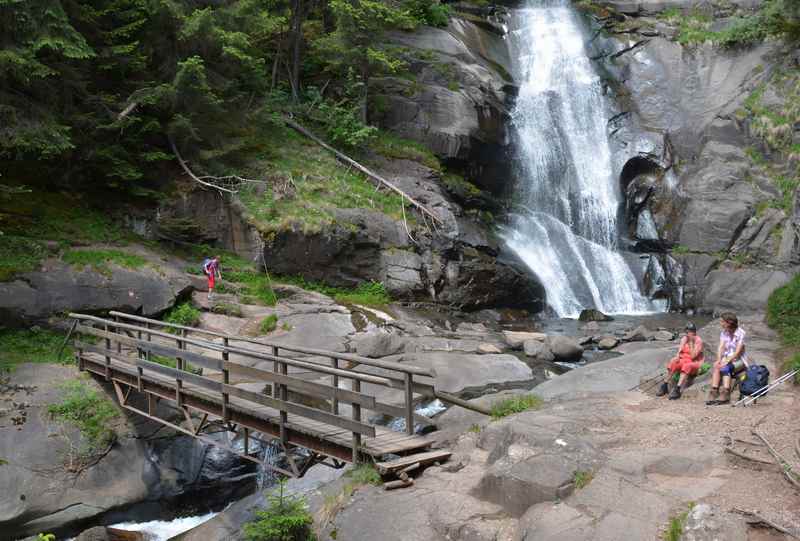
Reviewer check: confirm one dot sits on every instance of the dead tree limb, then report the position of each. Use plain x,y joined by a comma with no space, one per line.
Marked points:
374,176
755,518
743,456
204,180
128,110
786,468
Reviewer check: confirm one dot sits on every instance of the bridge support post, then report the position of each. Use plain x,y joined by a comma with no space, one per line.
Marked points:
283,395
108,359
409,403
356,417
335,401
225,380
179,365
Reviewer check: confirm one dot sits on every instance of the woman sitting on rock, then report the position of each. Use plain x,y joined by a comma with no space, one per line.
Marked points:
731,359
687,363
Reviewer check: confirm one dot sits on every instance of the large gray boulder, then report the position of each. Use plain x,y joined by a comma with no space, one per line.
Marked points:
564,348
744,290
614,375
62,288
538,350
378,344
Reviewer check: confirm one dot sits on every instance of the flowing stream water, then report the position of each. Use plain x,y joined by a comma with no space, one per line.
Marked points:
566,228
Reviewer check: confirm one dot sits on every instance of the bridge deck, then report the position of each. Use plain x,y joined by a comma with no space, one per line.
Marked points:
321,437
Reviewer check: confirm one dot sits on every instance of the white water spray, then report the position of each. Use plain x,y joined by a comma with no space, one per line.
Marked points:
567,231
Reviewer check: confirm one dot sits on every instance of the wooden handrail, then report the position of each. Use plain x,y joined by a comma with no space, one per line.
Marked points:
388,365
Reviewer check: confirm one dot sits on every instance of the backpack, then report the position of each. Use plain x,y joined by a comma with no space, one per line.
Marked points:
206,261
757,378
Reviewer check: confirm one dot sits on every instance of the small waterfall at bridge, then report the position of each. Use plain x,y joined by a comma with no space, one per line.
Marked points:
566,228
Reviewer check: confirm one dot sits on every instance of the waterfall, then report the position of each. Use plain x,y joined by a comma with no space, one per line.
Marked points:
566,227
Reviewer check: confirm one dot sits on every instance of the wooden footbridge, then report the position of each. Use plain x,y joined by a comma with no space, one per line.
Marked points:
295,397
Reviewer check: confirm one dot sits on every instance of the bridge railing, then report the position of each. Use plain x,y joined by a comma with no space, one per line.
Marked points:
149,338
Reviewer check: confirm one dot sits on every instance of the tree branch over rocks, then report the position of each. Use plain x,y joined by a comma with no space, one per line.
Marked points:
211,181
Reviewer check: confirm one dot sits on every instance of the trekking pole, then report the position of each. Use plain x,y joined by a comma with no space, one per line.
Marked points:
649,382
764,390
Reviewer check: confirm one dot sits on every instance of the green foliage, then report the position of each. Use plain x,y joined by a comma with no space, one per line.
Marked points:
285,519
582,478
45,537
268,324
171,362
391,146
680,249
183,314
791,364
257,287
364,474
100,259
87,409
430,12
783,312
343,125
32,346
516,404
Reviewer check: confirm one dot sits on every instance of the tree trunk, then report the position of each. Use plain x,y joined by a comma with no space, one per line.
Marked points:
298,14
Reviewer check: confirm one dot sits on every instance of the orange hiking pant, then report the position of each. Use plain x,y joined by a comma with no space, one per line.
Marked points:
683,363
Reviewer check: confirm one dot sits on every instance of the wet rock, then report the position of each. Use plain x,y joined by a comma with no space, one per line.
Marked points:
378,344
592,326
608,342
538,350
515,339
564,348
485,348
639,334
590,314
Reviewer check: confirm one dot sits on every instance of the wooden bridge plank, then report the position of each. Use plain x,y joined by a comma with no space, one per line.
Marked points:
314,389
328,418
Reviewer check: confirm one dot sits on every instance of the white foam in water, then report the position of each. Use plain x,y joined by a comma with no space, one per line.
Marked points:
160,530
568,233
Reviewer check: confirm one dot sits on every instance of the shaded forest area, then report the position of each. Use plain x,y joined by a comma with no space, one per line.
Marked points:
93,92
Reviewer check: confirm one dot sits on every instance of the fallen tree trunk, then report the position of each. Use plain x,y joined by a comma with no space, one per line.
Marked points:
374,176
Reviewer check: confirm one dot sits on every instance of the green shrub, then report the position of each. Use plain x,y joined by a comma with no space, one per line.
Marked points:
343,125
285,519
368,293
268,324
257,287
32,346
91,412
515,404
791,365
183,314
428,12
19,255
783,312
100,259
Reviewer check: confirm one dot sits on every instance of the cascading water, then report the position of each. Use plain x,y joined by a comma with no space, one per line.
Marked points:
566,230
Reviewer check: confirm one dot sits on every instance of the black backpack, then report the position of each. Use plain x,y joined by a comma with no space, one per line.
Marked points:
757,378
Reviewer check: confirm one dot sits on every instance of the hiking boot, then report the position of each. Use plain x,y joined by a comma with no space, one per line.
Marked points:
662,390
713,396
724,396
676,393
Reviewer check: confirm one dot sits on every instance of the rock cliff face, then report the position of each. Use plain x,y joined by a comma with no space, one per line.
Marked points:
707,194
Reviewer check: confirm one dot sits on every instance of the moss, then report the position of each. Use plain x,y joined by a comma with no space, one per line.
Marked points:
582,478
100,260
367,294
87,409
32,346
392,146
227,309
268,324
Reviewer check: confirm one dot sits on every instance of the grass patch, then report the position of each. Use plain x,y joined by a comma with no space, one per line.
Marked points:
582,478
790,365
171,362
91,412
364,474
367,294
516,404
257,288
268,324
680,249
676,524
389,145
100,260
227,309
475,429
19,255
306,185
286,326
32,346
286,518
183,314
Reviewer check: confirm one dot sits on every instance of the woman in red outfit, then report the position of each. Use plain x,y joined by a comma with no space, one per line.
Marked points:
687,363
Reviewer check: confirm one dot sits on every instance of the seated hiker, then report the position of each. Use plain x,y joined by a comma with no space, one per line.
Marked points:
687,363
731,359
211,270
